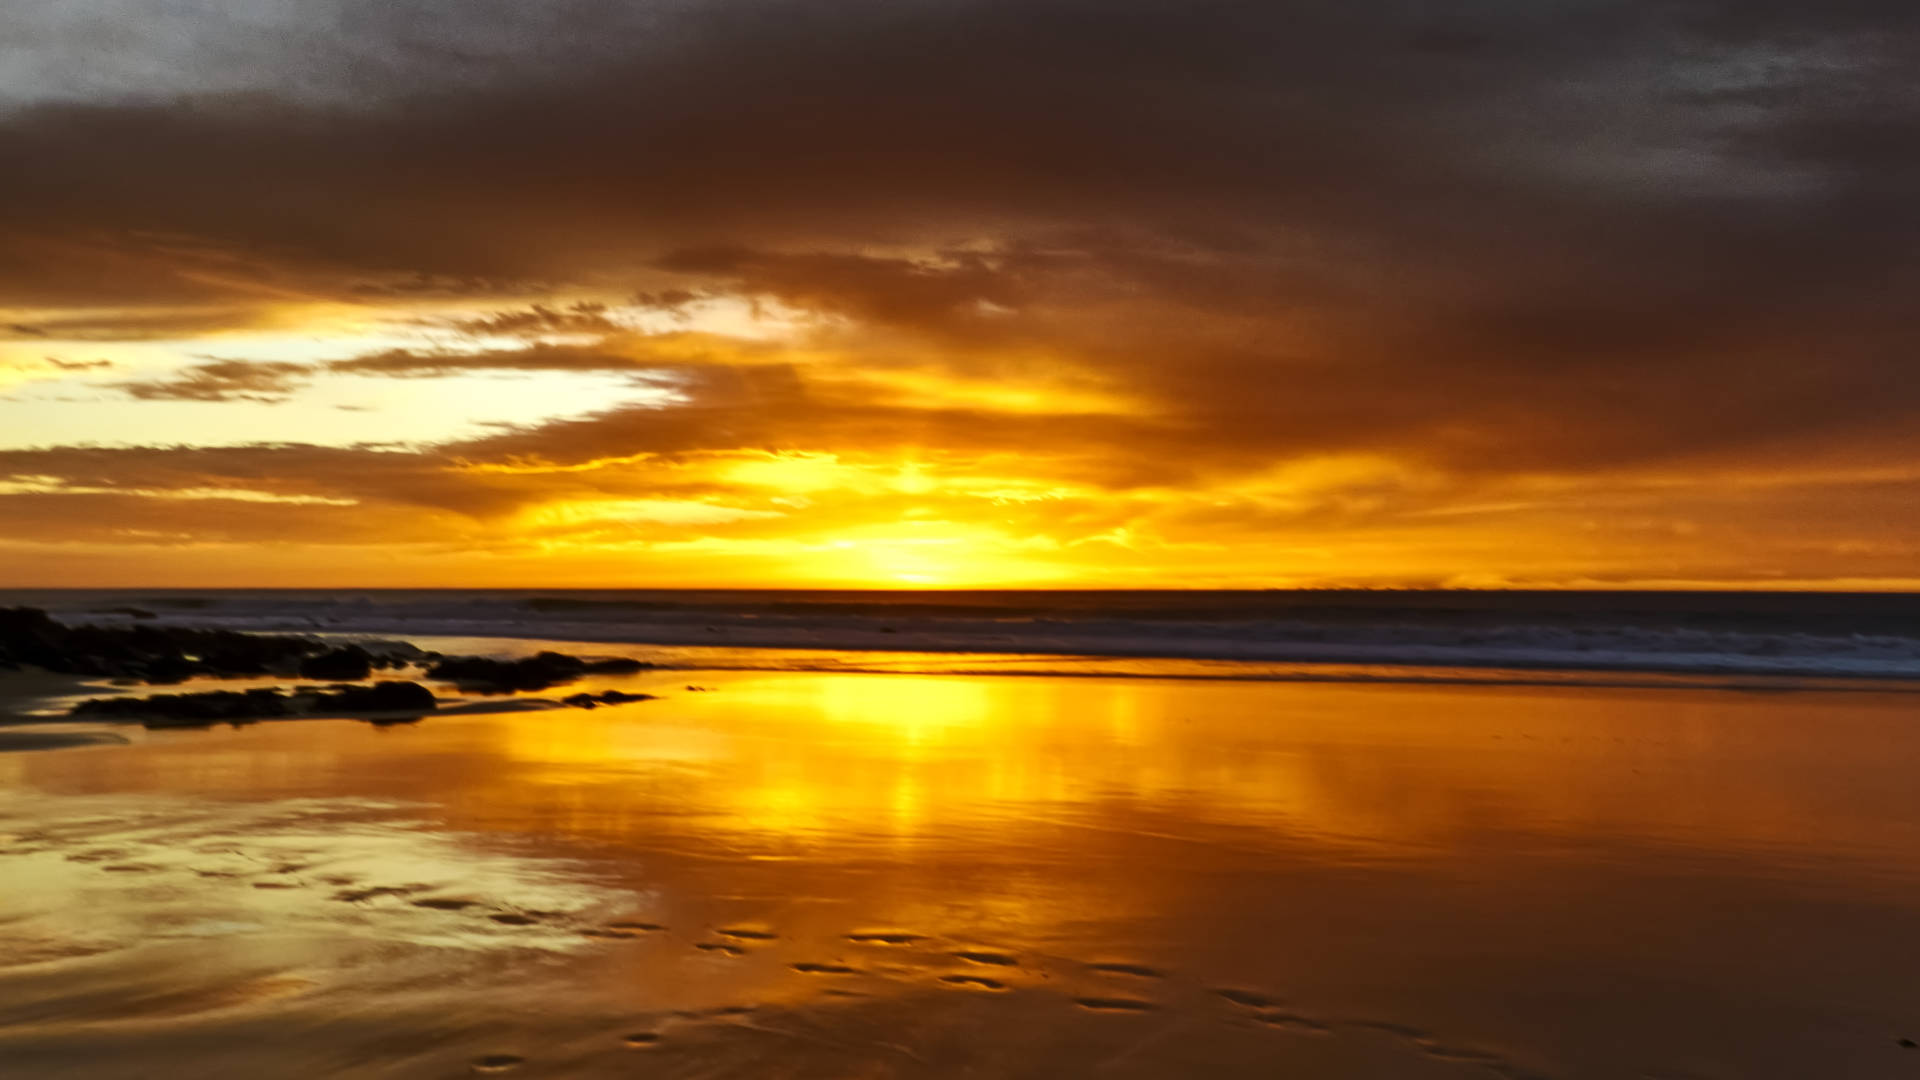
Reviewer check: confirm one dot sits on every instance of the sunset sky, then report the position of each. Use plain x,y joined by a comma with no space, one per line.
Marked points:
936,293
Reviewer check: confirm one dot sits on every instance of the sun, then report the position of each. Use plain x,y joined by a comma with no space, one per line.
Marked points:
928,555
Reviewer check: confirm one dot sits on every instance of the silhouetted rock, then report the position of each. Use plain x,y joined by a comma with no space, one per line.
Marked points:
210,707
226,706
349,664
168,654
616,697
380,697
167,670
605,697
541,671
537,672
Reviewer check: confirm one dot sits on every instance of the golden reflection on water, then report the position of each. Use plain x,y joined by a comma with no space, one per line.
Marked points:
1521,872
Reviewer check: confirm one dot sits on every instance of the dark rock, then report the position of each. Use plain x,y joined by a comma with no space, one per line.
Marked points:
213,706
167,670
228,706
347,664
538,672
160,654
403,697
228,661
168,654
605,697
30,636
559,663
616,697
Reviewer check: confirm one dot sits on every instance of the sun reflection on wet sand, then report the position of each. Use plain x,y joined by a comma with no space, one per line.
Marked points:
820,875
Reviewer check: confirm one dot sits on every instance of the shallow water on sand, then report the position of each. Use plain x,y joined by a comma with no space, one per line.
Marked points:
833,875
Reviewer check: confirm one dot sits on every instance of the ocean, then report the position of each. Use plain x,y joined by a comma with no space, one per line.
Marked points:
1611,637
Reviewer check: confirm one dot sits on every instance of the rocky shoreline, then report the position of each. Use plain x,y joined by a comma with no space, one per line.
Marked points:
141,655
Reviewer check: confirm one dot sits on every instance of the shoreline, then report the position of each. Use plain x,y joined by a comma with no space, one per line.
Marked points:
1412,660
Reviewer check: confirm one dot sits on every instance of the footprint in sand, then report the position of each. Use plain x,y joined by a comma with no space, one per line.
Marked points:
1431,1047
1465,1055
1411,1034
361,896
443,904
640,1039
747,933
622,931
982,956
1105,1004
720,947
275,885
825,969
129,868
1293,1022
885,937
495,1063
511,918
708,1014
1134,970
973,982
1252,999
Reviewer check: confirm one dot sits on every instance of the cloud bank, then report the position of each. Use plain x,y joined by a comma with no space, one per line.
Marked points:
1308,293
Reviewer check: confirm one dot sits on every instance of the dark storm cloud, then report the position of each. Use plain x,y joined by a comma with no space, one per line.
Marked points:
1502,236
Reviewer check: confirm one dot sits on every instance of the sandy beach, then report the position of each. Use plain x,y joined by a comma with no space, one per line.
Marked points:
829,875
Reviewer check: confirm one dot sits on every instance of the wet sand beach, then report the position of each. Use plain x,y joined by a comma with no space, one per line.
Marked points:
833,875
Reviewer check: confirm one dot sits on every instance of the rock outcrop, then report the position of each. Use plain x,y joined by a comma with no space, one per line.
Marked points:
541,671
161,655
240,706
